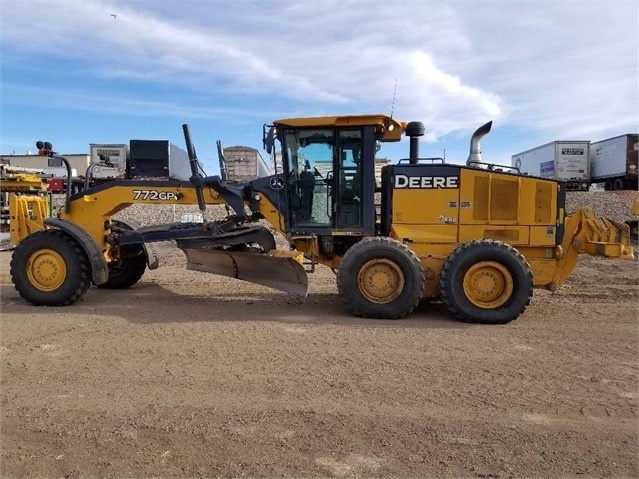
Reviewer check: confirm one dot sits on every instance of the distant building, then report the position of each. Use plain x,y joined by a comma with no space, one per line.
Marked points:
79,162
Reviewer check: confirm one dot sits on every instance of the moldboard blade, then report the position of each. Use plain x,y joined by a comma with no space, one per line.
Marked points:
276,269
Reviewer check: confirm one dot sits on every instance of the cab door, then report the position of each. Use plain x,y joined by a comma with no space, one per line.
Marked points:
330,180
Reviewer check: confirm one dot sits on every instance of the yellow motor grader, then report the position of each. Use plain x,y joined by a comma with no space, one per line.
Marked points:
479,236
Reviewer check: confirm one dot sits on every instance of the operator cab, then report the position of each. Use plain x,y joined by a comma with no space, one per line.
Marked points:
328,172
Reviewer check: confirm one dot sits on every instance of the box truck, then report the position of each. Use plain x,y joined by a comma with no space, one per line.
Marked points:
613,162
567,161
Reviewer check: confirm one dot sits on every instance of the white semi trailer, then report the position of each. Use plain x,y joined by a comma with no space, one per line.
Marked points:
567,161
613,162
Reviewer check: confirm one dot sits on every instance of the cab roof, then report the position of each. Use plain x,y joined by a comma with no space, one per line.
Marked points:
389,128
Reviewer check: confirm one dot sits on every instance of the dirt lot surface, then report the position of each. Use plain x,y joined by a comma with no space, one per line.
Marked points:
192,375
188,375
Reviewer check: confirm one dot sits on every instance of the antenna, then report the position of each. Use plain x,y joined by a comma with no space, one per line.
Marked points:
394,93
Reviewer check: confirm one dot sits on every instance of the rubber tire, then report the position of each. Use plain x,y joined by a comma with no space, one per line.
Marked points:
608,185
78,268
462,259
380,248
619,184
125,273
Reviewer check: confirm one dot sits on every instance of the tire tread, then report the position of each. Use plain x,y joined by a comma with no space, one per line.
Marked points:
50,238
448,295
349,293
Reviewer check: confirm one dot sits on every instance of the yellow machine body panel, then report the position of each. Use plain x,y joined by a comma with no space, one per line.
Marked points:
93,208
470,204
436,208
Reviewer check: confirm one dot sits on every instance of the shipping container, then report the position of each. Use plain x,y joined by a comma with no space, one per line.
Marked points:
158,159
613,162
244,163
117,155
567,161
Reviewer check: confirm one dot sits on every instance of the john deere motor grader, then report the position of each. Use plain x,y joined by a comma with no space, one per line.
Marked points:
479,236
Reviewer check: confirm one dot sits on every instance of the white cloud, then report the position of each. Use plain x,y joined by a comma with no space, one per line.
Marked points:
563,67
115,104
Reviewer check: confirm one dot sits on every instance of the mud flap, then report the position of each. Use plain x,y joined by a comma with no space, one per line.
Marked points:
277,269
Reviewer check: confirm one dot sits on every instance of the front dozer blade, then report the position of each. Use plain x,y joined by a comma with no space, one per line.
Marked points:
276,269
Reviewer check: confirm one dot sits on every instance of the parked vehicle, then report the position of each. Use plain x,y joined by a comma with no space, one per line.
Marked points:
567,161
613,162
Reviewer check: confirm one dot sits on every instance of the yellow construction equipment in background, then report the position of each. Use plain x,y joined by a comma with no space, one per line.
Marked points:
479,236
25,201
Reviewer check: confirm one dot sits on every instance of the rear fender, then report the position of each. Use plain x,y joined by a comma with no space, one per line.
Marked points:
99,267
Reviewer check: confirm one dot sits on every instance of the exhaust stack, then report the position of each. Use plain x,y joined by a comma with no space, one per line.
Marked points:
475,151
414,130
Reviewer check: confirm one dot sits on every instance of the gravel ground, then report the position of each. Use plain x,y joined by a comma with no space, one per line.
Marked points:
611,204
193,375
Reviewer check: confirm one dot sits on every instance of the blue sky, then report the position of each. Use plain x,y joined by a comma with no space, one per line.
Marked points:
80,72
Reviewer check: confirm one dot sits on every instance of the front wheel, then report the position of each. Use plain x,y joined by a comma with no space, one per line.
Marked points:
486,281
380,278
50,268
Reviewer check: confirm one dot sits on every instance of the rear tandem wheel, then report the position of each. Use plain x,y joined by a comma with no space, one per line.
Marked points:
486,281
129,266
50,268
380,278
126,270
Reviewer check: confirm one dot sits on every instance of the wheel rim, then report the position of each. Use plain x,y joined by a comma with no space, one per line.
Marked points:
46,270
488,284
380,280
